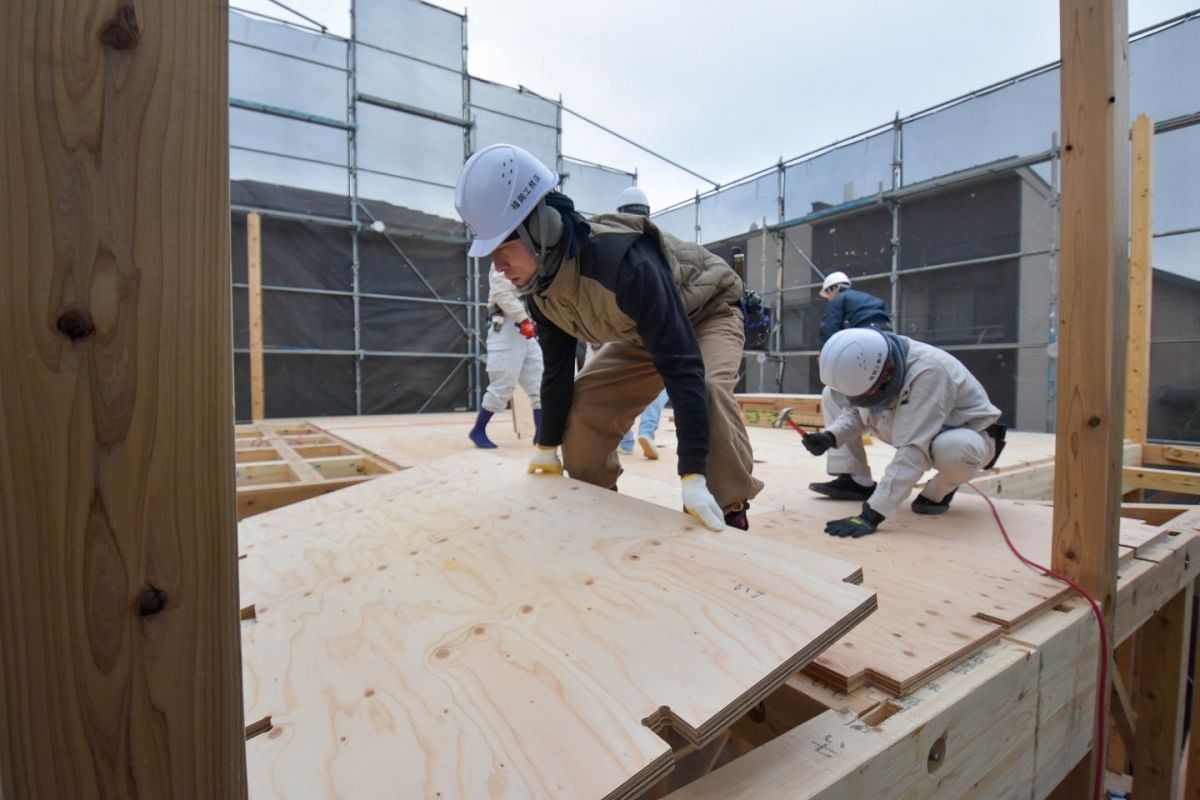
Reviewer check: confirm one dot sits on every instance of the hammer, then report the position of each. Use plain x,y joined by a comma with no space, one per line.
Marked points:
785,415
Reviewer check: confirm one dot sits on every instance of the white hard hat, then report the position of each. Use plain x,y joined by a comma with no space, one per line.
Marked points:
834,279
498,187
634,201
853,359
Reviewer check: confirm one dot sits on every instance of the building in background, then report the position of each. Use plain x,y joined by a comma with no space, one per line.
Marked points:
950,215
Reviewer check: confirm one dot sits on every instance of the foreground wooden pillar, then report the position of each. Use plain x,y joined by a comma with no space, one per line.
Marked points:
119,642
1093,300
1137,382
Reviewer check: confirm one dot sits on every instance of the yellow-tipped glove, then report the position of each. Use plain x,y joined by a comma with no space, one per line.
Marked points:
699,502
545,460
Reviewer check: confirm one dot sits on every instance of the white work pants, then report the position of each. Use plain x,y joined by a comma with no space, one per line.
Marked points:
511,358
958,454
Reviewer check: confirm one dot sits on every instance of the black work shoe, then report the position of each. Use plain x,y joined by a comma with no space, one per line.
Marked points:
843,487
923,505
738,519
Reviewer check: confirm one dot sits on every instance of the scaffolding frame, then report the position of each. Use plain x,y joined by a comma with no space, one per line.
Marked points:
687,215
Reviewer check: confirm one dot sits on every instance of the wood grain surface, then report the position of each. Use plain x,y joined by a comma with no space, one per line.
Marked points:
462,629
947,585
119,650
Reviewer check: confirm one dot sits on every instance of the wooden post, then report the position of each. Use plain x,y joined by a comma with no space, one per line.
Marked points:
1162,656
254,275
1137,382
1191,789
120,664
1093,306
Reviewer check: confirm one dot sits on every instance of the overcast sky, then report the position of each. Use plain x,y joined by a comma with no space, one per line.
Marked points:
728,88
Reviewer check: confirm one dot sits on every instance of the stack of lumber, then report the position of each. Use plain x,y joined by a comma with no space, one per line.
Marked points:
461,629
762,410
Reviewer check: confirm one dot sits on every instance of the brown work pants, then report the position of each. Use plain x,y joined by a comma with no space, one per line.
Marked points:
620,380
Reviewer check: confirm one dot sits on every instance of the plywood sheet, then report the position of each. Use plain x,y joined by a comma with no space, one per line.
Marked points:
461,629
947,585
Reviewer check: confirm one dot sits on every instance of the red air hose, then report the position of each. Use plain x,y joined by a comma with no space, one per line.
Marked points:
1102,685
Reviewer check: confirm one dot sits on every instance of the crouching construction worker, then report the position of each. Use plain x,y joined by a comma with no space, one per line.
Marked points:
666,311
513,356
917,398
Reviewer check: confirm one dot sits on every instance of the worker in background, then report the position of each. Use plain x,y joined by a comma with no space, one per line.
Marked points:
513,356
665,310
634,201
917,398
850,308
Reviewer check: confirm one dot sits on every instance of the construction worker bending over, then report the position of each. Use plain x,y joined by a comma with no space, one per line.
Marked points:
666,310
513,355
850,308
917,398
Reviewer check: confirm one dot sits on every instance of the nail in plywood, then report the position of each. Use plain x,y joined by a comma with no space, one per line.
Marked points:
465,629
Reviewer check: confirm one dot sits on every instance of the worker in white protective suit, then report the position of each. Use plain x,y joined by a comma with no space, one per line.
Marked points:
917,398
513,355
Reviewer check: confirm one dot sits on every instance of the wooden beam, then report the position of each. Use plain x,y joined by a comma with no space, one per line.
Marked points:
1092,290
1120,745
1162,666
1122,710
120,663
1171,455
1137,376
253,500
1093,305
1167,480
302,468
1153,513
254,275
1191,789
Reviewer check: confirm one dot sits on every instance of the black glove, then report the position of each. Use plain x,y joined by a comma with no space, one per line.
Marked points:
817,443
864,523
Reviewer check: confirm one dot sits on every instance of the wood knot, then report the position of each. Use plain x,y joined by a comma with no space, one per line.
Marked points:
1093,422
122,32
152,601
75,325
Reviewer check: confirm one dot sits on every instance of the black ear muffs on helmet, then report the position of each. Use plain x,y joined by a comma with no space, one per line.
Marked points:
544,226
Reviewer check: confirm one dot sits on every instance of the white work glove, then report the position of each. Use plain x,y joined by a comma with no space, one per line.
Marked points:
699,502
545,460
